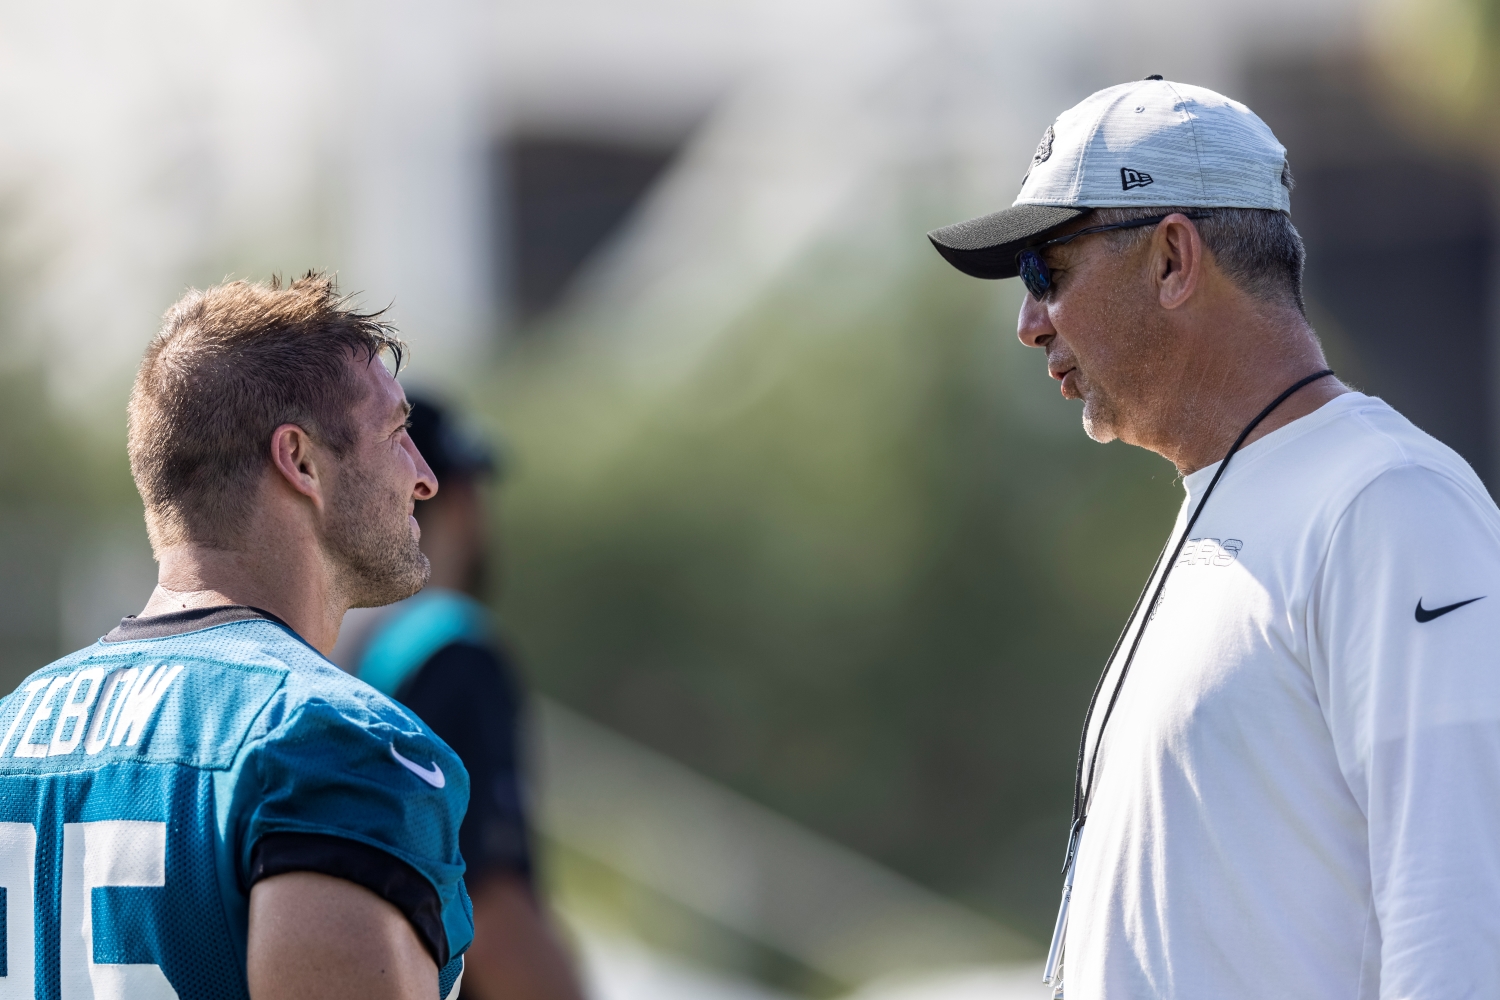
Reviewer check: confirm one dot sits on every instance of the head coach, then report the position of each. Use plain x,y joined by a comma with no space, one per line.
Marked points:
1289,778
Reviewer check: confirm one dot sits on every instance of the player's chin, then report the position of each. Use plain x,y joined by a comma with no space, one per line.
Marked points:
395,581
413,576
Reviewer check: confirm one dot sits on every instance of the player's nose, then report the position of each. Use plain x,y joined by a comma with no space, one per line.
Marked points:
427,485
1034,325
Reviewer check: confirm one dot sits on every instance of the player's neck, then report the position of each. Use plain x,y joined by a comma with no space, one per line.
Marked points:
293,583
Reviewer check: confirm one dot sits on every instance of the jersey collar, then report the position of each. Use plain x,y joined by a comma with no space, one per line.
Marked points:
191,620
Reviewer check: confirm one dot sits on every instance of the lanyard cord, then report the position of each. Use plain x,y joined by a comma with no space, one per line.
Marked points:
1083,789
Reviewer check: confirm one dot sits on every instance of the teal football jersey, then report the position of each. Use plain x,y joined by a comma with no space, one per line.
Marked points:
148,781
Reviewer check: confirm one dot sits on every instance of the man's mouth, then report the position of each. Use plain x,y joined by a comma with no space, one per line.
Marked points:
1069,379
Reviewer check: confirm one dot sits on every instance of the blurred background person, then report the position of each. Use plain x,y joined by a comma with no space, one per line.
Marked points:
438,654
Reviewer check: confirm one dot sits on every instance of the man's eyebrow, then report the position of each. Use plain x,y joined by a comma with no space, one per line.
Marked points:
405,409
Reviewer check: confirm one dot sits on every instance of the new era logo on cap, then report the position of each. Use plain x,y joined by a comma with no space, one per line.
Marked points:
1145,144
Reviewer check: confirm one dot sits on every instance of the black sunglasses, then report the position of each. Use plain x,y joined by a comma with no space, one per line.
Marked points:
1035,274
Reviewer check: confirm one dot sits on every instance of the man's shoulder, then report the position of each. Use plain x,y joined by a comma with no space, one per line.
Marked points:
1361,440
315,701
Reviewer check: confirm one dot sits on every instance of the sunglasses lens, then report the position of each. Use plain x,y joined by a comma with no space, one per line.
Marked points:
1034,273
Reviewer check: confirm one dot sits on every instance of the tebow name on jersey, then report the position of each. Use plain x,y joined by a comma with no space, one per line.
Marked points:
123,703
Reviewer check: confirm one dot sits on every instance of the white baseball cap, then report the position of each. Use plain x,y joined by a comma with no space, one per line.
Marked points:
1137,145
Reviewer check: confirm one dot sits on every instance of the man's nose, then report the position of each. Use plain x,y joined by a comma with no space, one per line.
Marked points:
1034,325
426,486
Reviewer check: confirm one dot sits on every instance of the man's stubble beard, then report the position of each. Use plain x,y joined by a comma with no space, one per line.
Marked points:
1100,415
1126,408
369,533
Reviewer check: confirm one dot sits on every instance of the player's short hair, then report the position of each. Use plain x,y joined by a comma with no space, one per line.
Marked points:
230,365
1258,248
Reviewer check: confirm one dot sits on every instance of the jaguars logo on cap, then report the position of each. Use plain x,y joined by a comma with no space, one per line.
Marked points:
1043,152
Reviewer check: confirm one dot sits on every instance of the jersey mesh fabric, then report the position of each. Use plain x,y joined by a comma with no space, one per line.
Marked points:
251,732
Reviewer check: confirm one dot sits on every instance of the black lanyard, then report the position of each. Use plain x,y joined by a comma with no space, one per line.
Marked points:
1083,789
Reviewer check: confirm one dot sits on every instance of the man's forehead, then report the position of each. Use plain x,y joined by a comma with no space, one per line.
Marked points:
385,392
395,398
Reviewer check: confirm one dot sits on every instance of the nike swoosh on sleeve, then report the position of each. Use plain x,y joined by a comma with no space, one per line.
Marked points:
1424,615
433,776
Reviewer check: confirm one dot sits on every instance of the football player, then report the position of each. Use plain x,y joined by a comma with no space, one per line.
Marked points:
200,805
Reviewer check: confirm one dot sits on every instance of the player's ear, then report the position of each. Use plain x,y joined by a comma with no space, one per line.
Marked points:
1178,258
297,459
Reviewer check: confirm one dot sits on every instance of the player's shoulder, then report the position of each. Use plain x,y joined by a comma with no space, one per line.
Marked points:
328,719
317,711
322,718
332,756
1360,442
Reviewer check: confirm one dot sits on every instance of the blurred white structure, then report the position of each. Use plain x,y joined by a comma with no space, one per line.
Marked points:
617,969
169,143
1018,983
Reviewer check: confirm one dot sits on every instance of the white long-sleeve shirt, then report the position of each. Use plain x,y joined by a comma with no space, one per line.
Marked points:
1298,794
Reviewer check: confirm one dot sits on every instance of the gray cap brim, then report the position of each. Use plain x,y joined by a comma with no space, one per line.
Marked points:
986,247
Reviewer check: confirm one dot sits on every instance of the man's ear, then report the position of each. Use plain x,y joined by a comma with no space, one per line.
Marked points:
300,462
1178,258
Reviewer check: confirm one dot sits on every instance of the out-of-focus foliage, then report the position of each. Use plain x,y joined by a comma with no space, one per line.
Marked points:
57,481
860,563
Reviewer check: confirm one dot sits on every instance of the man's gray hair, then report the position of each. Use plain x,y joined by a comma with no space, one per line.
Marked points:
1258,248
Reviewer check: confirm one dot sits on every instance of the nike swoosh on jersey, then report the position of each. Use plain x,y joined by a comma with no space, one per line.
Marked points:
433,776
1423,615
